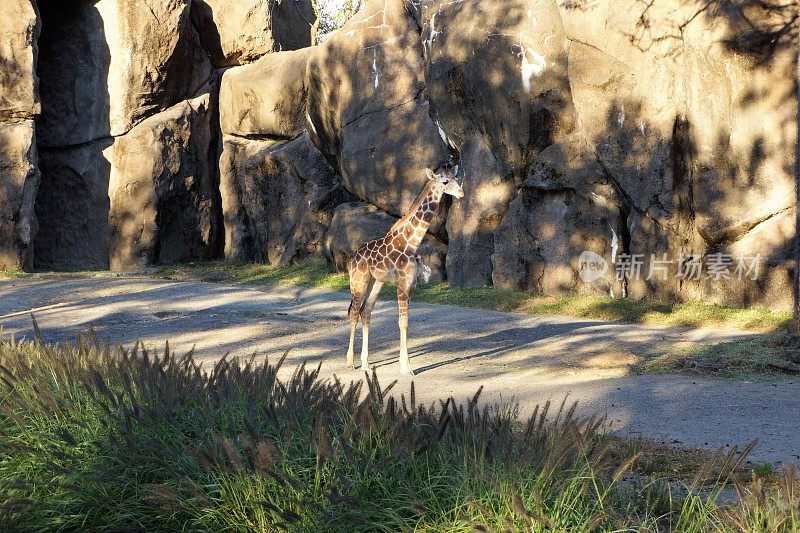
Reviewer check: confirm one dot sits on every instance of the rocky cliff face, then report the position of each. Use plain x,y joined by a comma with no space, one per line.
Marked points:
127,134
642,133
19,105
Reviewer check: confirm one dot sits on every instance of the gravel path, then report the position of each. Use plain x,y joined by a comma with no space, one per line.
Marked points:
526,358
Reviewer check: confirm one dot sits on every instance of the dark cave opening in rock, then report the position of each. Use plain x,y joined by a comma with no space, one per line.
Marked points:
72,132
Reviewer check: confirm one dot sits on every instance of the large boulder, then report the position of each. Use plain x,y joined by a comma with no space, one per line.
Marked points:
759,266
18,188
499,93
266,98
566,214
356,223
104,66
19,105
277,199
236,33
163,193
699,148
293,24
146,197
498,68
367,111
489,186
19,33
72,206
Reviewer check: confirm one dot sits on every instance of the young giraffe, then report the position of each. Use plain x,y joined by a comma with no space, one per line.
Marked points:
392,259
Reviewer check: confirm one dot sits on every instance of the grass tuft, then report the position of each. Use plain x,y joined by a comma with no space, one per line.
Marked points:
765,355
13,274
94,438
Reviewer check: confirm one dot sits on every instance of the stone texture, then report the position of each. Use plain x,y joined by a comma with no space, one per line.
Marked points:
147,197
294,24
105,66
72,206
768,249
18,187
356,223
499,92
566,206
698,148
19,105
366,109
489,186
277,199
233,33
266,98
163,189
19,32
498,68
236,33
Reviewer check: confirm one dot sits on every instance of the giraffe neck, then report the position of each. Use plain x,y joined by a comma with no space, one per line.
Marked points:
418,221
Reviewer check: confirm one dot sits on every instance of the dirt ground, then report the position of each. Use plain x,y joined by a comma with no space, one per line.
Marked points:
525,358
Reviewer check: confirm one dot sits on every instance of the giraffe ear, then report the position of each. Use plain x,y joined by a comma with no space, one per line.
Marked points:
429,174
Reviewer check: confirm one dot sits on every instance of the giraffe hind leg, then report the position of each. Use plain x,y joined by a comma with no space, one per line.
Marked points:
359,282
366,312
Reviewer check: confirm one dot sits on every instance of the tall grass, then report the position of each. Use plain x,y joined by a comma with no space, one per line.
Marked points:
93,438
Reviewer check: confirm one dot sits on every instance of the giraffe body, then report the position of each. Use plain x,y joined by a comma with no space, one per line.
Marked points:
393,259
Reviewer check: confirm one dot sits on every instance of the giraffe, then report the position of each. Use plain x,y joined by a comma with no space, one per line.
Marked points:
393,259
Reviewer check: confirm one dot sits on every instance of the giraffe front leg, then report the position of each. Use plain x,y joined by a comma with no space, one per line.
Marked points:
358,284
402,304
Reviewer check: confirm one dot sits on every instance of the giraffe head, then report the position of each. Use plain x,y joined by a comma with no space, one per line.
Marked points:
446,179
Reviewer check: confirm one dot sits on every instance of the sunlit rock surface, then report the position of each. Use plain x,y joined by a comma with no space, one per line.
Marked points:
618,129
19,106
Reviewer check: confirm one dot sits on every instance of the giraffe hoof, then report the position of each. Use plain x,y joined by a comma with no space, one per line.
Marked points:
407,371
366,368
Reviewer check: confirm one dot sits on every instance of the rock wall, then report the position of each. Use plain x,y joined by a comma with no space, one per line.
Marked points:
618,131
278,199
638,132
129,134
19,106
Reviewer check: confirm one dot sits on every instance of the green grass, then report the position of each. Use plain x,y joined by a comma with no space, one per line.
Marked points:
316,273
765,355
98,439
13,274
